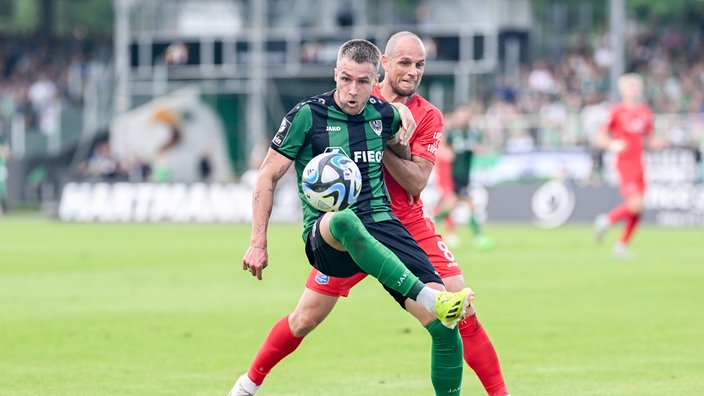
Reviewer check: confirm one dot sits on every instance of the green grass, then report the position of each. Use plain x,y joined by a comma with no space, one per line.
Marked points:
90,309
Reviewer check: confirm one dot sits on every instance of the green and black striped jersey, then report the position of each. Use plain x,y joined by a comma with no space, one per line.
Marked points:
317,125
463,143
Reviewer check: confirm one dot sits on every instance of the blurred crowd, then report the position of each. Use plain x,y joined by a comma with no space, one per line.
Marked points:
40,74
557,101
561,102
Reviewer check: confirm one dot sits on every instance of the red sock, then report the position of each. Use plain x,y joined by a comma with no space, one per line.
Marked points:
450,226
480,355
619,213
629,228
278,344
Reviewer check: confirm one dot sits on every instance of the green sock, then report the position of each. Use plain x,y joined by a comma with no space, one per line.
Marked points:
440,216
373,257
474,225
446,359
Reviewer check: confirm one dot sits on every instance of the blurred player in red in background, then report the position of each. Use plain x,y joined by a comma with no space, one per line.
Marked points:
453,169
403,63
627,133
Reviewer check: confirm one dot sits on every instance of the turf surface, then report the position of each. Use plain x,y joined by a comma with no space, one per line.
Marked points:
90,309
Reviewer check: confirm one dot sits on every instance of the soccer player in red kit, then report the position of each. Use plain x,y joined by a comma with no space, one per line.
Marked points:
627,132
403,63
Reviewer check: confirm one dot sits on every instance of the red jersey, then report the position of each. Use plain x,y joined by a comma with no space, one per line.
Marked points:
423,143
631,125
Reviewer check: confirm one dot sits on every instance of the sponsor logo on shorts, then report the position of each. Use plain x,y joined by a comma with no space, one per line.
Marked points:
322,279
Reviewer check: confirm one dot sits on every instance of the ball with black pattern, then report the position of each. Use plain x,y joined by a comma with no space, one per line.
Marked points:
331,182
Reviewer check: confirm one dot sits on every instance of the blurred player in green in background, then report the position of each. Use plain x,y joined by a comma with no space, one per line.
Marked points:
454,171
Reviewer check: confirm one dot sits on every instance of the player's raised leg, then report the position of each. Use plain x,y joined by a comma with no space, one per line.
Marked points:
343,230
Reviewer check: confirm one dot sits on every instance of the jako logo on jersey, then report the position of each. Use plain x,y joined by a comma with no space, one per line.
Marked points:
330,128
376,126
403,277
367,156
322,279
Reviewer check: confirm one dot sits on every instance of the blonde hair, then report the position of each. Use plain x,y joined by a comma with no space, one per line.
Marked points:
630,78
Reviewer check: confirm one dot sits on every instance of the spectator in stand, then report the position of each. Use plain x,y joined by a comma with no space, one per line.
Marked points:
100,164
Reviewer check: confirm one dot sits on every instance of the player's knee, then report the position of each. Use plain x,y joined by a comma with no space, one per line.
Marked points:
344,223
636,205
304,322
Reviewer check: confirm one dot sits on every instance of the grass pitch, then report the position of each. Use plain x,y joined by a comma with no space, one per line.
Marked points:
91,309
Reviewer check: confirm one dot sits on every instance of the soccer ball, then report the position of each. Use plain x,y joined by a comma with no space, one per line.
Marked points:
331,182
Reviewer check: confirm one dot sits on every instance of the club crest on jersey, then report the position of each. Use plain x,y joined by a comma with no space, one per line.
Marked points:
376,126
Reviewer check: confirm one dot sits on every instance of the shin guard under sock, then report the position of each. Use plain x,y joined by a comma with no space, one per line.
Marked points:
278,344
480,355
446,359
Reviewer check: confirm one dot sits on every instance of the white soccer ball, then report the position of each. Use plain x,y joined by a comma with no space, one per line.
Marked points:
331,182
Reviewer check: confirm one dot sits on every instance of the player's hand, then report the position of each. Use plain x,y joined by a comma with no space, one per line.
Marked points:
408,124
255,260
617,145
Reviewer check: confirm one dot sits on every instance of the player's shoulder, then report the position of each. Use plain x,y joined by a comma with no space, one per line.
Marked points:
424,104
321,100
378,102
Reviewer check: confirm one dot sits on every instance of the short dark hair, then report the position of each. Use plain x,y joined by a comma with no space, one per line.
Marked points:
360,51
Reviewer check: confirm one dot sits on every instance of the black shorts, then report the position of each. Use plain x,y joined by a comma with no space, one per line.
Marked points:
462,183
461,187
392,234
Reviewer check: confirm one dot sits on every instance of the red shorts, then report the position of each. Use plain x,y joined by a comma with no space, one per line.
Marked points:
632,185
423,232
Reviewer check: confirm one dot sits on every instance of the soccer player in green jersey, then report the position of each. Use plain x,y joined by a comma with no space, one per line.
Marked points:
454,170
367,237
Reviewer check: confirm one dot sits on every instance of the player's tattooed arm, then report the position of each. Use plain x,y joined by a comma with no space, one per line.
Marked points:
273,168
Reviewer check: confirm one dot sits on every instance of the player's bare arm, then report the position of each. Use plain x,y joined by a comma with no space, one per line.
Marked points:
272,170
408,124
394,146
604,141
411,174
654,142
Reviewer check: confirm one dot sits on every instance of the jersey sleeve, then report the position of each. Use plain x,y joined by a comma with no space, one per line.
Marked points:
649,129
395,122
292,131
611,120
427,135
